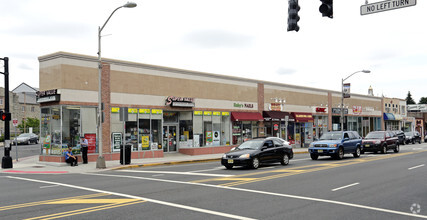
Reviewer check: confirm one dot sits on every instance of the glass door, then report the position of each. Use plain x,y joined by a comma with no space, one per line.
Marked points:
169,138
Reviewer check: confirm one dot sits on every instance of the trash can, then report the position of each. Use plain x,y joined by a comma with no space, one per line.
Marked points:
128,149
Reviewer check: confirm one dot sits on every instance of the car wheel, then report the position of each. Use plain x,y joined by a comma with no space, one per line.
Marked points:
228,166
357,153
340,154
29,142
413,141
255,163
419,142
314,156
384,150
396,150
285,160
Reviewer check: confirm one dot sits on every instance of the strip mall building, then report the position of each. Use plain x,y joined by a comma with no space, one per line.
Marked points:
174,110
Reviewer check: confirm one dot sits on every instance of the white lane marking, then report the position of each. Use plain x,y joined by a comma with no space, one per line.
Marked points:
416,167
158,175
138,197
41,187
343,187
216,168
300,159
176,173
269,193
418,148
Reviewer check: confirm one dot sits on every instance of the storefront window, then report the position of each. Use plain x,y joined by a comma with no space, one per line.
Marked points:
225,130
131,133
186,129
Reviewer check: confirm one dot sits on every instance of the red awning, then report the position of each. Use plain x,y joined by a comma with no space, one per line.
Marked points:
303,117
276,116
246,116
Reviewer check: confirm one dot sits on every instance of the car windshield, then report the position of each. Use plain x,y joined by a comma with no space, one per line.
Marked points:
24,135
252,145
375,135
332,136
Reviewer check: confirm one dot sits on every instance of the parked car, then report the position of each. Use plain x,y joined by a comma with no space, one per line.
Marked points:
380,141
256,151
26,138
412,137
336,144
401,136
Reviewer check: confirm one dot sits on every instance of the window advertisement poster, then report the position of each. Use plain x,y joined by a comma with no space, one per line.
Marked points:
145,142
216,138
116,139
91,140
46,143
209,138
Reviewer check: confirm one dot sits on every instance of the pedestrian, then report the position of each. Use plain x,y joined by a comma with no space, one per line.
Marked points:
70,158
84,146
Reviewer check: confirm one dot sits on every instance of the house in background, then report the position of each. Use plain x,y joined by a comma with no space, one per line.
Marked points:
22,105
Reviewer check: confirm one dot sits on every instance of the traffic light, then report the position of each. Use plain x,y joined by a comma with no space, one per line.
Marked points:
326,8
293,17
5,116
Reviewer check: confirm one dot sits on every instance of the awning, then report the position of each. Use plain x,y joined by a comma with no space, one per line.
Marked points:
398,117
246,116
276,116
389,116
302,117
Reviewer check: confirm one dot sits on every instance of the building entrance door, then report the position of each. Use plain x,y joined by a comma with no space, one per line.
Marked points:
169,138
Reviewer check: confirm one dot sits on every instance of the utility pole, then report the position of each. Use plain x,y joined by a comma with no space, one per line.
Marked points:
6,161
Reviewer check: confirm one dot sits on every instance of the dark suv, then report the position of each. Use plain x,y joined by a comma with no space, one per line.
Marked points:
336,144
401,136
412,137
380,141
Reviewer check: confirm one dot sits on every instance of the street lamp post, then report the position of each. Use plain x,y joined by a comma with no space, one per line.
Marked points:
100,162
342,95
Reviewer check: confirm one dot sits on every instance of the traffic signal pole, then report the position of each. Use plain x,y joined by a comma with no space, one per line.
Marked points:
6,161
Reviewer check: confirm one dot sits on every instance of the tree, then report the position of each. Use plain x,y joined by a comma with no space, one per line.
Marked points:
30,122
423,100
409,99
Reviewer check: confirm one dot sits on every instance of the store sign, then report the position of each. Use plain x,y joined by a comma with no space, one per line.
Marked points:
47,96
338,111
180,101
198,112
156,111
275,107
115,110
319,109
357,110
144,111
369,109
243,105
116,138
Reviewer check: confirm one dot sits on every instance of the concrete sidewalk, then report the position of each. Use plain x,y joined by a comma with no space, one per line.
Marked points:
31,165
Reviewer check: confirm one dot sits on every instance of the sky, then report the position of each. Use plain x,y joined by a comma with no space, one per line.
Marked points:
242,38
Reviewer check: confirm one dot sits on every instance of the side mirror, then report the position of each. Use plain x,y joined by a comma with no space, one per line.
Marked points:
263,148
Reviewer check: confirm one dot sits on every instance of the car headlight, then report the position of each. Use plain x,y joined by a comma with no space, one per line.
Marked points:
333,145
311,145
224,156
377,142
244,156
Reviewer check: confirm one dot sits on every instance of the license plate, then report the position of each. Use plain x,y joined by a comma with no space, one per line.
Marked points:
367,145
230,161
320,151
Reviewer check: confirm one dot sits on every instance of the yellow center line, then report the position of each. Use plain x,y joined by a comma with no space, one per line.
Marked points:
297,170
48,201
85,210
91,201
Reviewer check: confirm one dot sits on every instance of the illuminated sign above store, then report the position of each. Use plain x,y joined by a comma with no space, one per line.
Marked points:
180,101
48,96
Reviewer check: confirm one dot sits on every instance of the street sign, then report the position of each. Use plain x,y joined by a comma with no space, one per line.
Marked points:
15,122
385,6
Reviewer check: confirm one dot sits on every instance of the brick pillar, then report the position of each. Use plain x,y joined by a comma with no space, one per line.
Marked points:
260,91
106,99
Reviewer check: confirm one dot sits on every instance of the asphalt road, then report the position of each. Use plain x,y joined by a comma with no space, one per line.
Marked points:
374,186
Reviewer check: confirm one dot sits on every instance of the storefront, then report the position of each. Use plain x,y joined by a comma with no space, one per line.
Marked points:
390,122
303,128
245,125
277,123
